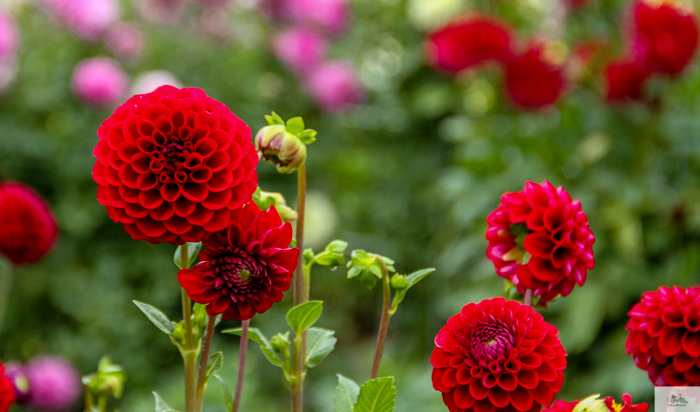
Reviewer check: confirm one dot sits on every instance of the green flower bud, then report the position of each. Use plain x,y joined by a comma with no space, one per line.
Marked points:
107,381
334,254
280,343
399,282
266,199
367,267
277,146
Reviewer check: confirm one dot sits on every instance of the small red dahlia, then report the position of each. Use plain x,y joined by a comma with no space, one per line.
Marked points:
7,391
498,355
245,268
173,164
625,79
665,35
593,403
562,406
533,79
468,42
626,406
664,337
27,227
541,223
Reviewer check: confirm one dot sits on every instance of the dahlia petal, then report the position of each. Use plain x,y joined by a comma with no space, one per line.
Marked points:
200,215
670,340
483,406
150,199
543,394
521,399
463,398
183,207
195,192
682,362
691,344
437,380
528,379
499,397
507,381
477,389
450,403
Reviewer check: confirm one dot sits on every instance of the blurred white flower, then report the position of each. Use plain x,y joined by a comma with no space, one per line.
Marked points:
427,14
149,81
321,221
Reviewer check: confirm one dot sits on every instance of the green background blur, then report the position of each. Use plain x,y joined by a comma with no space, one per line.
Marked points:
411,174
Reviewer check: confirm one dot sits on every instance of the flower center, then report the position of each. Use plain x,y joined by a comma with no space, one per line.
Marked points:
237,273
491,341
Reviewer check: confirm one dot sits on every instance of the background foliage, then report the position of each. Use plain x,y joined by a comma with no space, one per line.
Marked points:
411,174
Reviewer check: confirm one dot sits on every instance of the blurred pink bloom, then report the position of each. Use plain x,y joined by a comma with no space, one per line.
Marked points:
8,37
54,382
149,81
212,2
161,11
335,86
100,81
330,15
300,48
125,40
16,372
89,19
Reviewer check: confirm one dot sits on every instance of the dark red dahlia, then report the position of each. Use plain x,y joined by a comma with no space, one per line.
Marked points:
7,391
665,36
664,337
468,42
540,239
27,226
495,356
625,79
245,268
533,80
626,406
562,406
173,164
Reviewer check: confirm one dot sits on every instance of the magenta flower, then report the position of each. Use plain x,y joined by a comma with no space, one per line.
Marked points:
125,40
100,81
329,15
300,48
54,384
89,19
8,38
335,86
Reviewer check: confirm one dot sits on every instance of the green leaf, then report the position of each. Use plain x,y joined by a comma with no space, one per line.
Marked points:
295,125
227,394
376,395
192,253
303,316
412,279
216,361
277,119
161,406
345,395
368,280
156,316
320,342
308,136
255,335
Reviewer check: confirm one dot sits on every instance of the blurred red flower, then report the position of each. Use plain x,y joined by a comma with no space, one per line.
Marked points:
625,79
7,391
562,406
665,36
27,227
246,268
543,222
500,354
173,164
664,337
533,79
468,42
626,406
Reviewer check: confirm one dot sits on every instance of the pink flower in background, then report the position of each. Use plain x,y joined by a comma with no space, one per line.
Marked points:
149,81
300,48
100,81
161,11
125,40
8,37
89,19
329,15
54,383
335,86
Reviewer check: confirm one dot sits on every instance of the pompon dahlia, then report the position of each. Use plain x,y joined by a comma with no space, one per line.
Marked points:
173,164
664,337
27,226
245,268
498,356
7,391
541,222
625,79
665,35
535,78
468,42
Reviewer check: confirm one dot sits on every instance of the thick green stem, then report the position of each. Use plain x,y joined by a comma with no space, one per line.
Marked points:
102,404
241,364
190,355
384,323
203,363
5,287
528,297
300,296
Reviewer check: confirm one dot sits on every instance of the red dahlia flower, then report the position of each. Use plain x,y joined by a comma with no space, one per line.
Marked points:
173,164
562,406
534,79
500,354
626,406
625,79
246,268
27,226
595,404
469,42
542,222
664,336
7,391
665,35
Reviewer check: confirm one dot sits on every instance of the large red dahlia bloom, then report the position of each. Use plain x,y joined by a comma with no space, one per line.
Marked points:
532,80
664,336
496,356
625,79
246,268
173,164
543,223
665,36
7,391
27,227
468,42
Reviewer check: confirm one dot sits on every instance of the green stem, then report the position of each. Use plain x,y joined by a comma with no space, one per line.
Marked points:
300,296
241,364
384,323
89,400
204,361
528,297
190,355
5,287
102,403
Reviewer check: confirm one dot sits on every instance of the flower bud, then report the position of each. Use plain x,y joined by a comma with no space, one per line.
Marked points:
277,146
399,282
107,381
266,199
334,254
280,344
